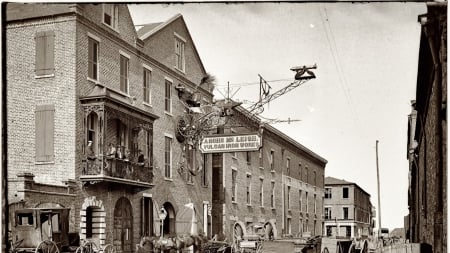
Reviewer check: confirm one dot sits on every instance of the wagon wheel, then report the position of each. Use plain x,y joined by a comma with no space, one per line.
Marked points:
88,247
47,246
15,245
109,249
352,248
365,247
325,250
259,247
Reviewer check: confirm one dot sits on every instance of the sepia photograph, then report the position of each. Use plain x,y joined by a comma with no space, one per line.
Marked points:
224,126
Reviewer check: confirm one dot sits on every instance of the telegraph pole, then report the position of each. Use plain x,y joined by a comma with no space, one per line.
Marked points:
378,187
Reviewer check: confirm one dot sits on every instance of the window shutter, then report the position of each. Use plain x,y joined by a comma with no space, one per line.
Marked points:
45,62
44,117
49,52
40,53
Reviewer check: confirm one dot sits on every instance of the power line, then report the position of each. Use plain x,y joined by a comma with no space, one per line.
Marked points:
252,83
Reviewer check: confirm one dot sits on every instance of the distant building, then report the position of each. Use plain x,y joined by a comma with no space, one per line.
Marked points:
279,186
347,209
427,135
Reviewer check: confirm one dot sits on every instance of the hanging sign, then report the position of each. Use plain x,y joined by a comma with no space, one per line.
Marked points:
230,143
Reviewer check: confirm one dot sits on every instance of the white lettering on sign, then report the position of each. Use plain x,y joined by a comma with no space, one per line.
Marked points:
230,143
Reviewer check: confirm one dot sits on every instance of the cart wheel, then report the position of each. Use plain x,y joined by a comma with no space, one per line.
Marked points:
47,246
325,250
352,248
365,247
109,249
88,247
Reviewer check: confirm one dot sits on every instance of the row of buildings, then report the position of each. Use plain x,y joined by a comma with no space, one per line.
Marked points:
93,108
427,136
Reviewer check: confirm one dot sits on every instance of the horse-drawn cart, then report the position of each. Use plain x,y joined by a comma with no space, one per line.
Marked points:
40,230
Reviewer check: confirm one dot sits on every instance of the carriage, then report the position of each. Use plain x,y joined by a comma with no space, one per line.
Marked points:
46,230
41,230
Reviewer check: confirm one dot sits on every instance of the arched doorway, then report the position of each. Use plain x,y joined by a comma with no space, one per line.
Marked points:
169,222
123,225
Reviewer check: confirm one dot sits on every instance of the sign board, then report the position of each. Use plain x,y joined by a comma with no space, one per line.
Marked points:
230,143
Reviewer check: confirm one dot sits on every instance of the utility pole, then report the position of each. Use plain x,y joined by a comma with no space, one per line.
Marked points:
378,187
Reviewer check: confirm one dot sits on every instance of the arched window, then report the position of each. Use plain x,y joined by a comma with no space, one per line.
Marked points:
89,222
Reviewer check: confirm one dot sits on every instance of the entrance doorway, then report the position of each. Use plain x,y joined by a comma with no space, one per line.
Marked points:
169,222
123,226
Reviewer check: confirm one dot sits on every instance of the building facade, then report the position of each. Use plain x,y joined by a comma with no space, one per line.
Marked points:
347,209
92,106
427,135
279,186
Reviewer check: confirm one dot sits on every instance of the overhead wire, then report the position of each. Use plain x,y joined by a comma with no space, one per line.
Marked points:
337,63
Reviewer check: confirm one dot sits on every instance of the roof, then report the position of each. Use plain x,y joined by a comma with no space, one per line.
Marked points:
280,134
150,29
20,11
146,28
335,181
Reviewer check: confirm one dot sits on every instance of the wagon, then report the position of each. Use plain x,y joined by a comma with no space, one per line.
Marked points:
41,230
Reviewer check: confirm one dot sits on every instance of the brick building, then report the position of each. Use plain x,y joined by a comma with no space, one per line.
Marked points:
92,106
347,208
427,135
279,186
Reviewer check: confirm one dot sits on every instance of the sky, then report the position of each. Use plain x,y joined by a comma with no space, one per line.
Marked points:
366,56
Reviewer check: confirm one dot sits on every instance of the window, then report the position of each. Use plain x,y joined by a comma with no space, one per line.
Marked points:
124,73
248,157
345,192
272,156
315,179
272,195
122,138
44,116
289,228
92,124
25,219
261,158
315,204
93,59
168,157
348,231
45,55
300,200
329,230
327,213
328,193
345,213
288,167
306,175
289,197
233,185
249,189
306,200
147,85
300,170
110,15
261,191
168,96
142,147
300,227
179,53
191,164
147,216
205,171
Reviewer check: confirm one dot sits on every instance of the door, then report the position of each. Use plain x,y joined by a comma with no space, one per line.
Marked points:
123,229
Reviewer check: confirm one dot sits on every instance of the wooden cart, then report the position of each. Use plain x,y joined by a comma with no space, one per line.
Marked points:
40,230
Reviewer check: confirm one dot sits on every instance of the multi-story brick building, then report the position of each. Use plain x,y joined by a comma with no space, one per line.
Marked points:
91,120
427,135
347,208
279,186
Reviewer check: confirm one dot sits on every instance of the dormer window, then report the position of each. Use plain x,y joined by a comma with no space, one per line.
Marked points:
179,52
111,15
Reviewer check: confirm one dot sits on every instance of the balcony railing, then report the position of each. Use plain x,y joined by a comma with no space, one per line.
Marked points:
117,170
